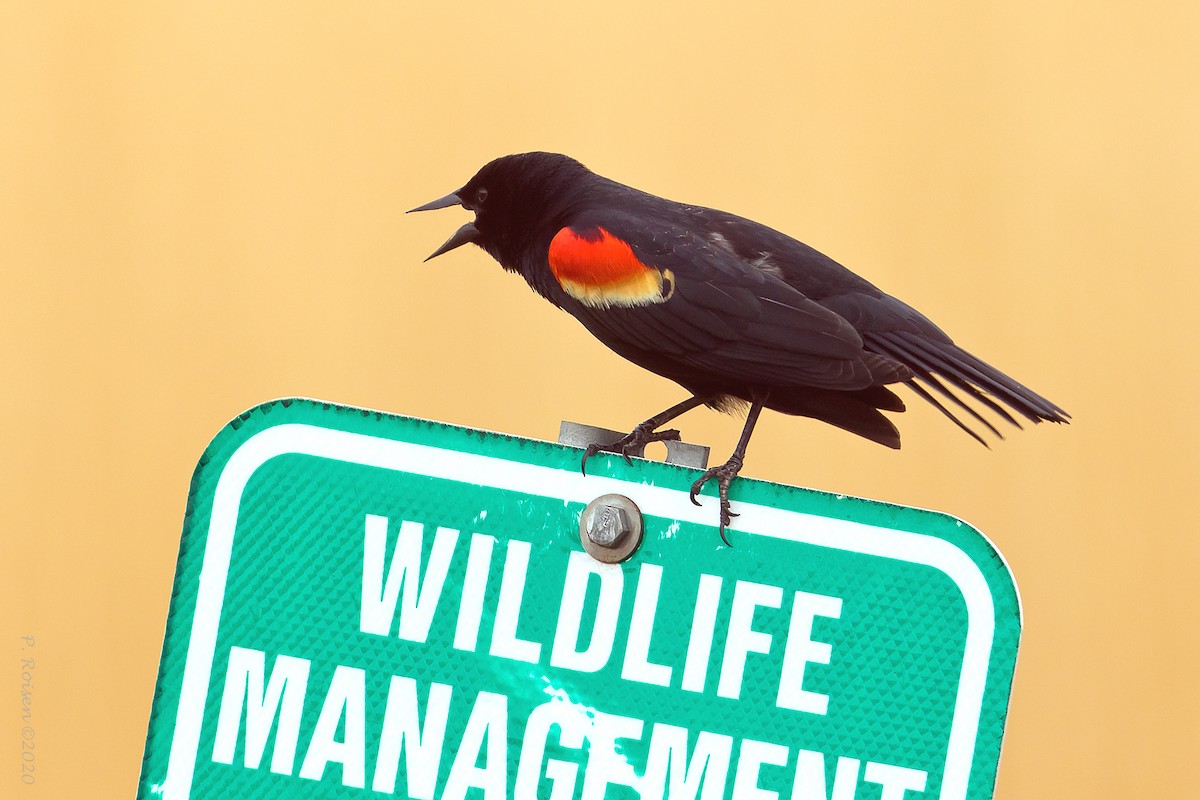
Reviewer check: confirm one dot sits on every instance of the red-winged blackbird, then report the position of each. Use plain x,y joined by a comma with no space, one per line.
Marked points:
733,311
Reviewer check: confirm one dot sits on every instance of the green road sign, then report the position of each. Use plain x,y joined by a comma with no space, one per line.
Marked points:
368,605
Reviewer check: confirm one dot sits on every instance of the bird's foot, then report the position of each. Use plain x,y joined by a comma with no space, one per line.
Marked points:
631,444
724,475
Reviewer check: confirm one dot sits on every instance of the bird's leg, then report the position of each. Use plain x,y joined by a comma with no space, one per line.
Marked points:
643,434
729,470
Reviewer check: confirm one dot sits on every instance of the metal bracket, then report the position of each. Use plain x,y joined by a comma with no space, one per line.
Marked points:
682,454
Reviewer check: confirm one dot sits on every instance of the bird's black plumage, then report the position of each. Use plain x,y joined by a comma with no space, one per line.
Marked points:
732,310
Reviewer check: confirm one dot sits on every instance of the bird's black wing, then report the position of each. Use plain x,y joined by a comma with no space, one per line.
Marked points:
675,302
888,327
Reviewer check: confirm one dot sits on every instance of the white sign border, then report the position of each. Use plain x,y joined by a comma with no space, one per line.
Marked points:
569,486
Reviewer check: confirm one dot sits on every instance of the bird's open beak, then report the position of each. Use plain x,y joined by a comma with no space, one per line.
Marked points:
467,233
451,199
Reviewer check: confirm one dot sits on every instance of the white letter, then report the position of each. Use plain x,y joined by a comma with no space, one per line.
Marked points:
488,720
244,681
580,569
573,724
704,620
379,599
743,639
347,696
402,730
637,666
505,643
604,766
479,564
895,780
801,650
751,757
810,777
704,774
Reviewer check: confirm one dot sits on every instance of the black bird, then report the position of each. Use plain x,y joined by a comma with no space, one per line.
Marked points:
733,311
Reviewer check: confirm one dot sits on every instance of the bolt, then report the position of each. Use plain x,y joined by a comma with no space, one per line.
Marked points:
608,526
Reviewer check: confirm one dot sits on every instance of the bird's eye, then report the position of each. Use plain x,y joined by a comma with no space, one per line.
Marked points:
480,196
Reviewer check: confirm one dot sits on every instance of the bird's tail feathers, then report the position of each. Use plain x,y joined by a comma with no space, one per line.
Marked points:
946,369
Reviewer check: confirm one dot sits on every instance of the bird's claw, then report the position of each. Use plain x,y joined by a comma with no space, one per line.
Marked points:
724,475
630,444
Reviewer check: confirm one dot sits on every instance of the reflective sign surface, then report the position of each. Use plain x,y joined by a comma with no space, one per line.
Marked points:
368,605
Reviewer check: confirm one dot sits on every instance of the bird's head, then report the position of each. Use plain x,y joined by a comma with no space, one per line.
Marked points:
516,200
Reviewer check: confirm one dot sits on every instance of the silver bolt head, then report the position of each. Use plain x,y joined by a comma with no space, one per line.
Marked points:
609,526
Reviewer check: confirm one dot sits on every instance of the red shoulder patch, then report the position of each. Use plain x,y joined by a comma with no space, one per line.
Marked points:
600,269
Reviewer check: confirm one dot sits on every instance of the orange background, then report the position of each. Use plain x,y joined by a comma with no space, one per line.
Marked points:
201,209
